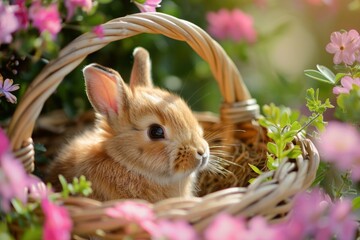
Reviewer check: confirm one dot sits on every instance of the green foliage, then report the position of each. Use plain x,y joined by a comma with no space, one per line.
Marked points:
323,74
317,108
282,126
356,203
349,106
4,232
79,186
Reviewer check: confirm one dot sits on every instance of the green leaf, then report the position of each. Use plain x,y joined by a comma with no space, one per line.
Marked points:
327,73
339,76
255,169
272,148
284,120
294,152
4,232
32,233
317,76
320,174
356,203
107,1
65,188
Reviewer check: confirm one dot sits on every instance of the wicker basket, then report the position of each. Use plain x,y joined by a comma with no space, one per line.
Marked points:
271,199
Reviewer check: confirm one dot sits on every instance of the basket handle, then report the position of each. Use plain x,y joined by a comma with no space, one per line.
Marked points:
230,82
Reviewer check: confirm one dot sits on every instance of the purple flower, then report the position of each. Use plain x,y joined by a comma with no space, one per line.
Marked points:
176,230
46,18
57,221
339,143
343,46
347,84
71,5
8,23
147,5
6,87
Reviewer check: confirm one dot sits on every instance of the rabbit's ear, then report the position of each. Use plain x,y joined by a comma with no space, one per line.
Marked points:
105,89
141,71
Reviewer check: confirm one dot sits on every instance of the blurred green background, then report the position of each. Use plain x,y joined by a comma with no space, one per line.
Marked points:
292,35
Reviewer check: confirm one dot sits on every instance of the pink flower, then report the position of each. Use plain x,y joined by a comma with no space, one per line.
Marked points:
341,221
39,190
235,25
314,216
13,178
99,31
147,5
259,229
6,87
346,85
8,23
137,213
21,14
176,230
225,226
46,18
344,46
71,5
57,221
339,143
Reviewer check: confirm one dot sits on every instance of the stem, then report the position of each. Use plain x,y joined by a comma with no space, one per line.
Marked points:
309,122
338,192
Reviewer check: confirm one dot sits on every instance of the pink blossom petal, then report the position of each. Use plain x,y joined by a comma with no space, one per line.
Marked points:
4,142
148,5
99,31
331,48
71,6
57,221
176,230
342,151
225,226
339,90
347,82
45,18
235,25
8,23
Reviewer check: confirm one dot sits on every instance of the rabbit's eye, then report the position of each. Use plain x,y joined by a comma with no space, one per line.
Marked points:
156,132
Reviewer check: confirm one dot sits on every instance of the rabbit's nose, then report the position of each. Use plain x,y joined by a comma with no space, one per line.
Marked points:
203,157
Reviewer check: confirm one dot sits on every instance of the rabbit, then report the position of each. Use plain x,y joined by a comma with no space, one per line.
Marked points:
146,142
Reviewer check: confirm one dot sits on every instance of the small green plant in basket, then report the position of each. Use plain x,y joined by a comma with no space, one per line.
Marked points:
283,125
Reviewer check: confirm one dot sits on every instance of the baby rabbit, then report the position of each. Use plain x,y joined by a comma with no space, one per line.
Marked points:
146,142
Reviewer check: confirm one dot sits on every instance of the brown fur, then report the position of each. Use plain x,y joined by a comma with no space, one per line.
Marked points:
117,155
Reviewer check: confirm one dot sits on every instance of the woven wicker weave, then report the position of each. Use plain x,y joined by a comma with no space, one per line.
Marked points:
271,199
